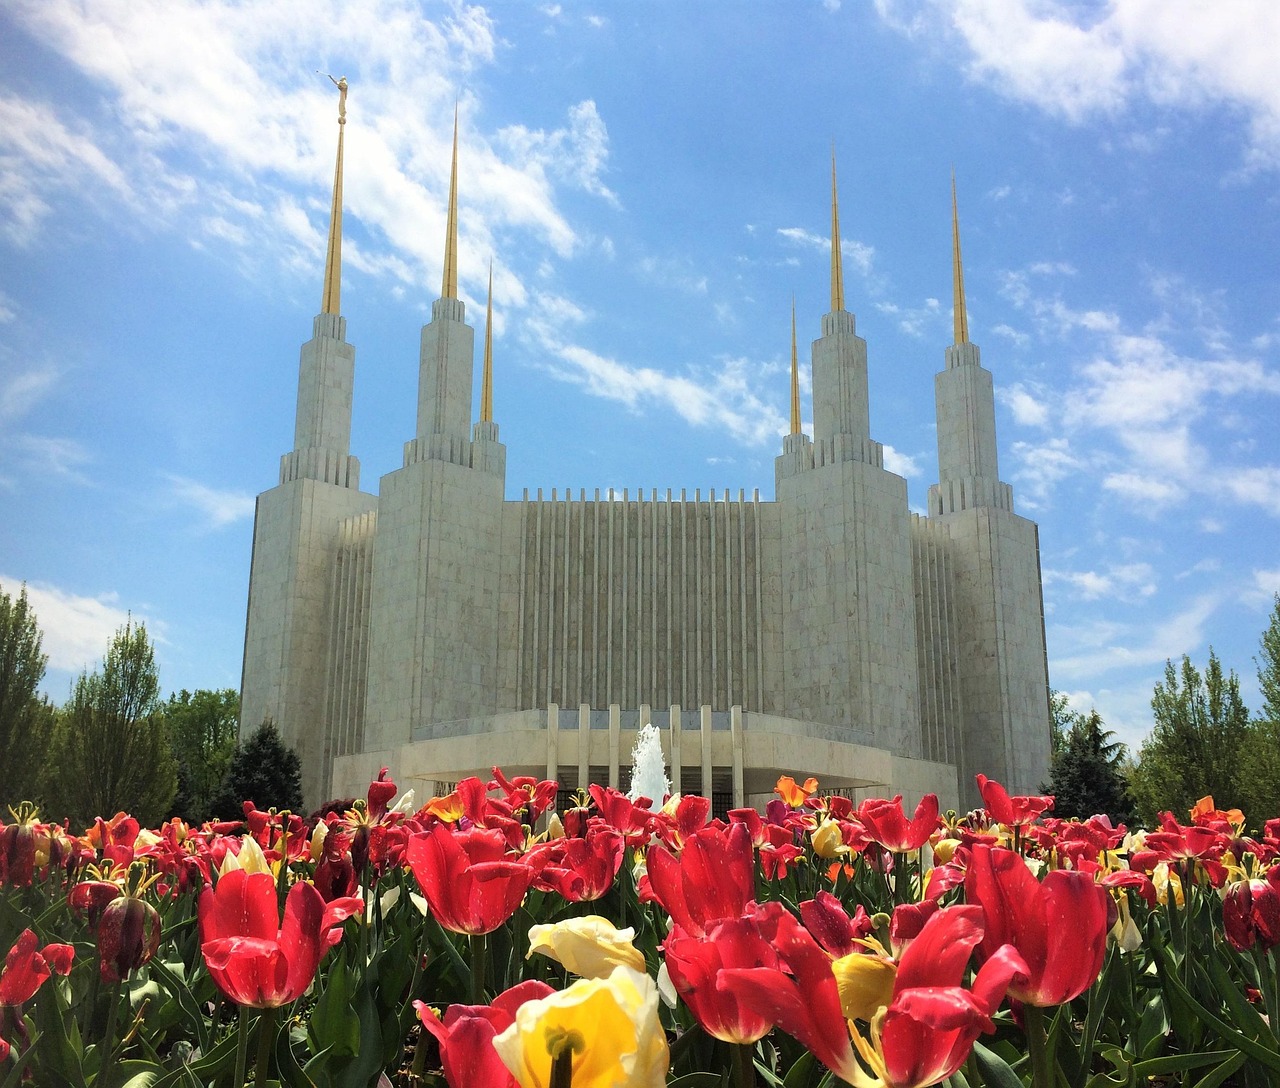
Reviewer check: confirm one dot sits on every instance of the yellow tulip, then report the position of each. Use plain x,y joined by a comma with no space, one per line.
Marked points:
590,946
609,1024
250,858
865,983
828,842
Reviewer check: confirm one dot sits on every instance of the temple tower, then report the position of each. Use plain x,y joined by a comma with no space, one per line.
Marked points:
995,556
296,528
849,640
433,632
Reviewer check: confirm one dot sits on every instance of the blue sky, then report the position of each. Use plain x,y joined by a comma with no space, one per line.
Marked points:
651,181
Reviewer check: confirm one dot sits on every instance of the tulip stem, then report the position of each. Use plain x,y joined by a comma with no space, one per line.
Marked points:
242,1047
1037,1046
744,1072
108,1044
479,967
266,1039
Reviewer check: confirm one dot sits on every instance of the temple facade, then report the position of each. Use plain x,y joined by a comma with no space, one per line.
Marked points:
439,628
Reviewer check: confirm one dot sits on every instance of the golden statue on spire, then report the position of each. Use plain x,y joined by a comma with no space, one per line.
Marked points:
330,303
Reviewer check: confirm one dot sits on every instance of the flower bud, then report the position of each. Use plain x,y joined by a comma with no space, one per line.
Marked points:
128,936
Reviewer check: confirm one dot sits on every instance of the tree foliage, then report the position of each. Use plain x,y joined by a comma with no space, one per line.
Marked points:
1195,748
111,748
263,770
1087,774
1259,769
203,727
24,717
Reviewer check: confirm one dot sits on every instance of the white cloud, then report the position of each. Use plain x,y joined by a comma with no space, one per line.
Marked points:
1152,491
1027,410
722,396
264,130
901,463
219,507
76,629
45,455
1093,649
858,254
1084,60
1040,466
1124,581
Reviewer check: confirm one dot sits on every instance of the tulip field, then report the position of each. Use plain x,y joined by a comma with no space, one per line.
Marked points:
485,940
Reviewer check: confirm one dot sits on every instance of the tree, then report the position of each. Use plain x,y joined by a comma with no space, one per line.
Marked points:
264,771
1260,752
203,727
1087,774
24,716
111,749
1195,746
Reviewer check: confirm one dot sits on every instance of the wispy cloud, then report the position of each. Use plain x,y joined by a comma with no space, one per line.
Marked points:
263,129
218,507
858,254
1084,61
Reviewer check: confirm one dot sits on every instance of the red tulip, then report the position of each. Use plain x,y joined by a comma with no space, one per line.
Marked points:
1010,811
932,1022
713,878
254,959
466,1036
824,916
468,880
695,963
1058,925
581,870
800,995
888,825
26,967
1251,913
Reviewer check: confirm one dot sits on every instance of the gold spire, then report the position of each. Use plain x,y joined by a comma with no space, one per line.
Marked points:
450,287
837,258
486,375
331,302
957,272
795,374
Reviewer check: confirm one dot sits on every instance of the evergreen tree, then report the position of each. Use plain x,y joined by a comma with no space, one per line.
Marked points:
202,731
1087,776
111,748
24,716
1260,753
263,770
1195,748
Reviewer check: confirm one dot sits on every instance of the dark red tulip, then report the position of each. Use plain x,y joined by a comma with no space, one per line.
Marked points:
1251,913
128,936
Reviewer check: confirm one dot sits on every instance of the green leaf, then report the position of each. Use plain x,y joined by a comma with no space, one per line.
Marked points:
292,1075
144,1074
1266,1056
696,1080
1217,1076
996,1072
798,1075
334,1024
191,1014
